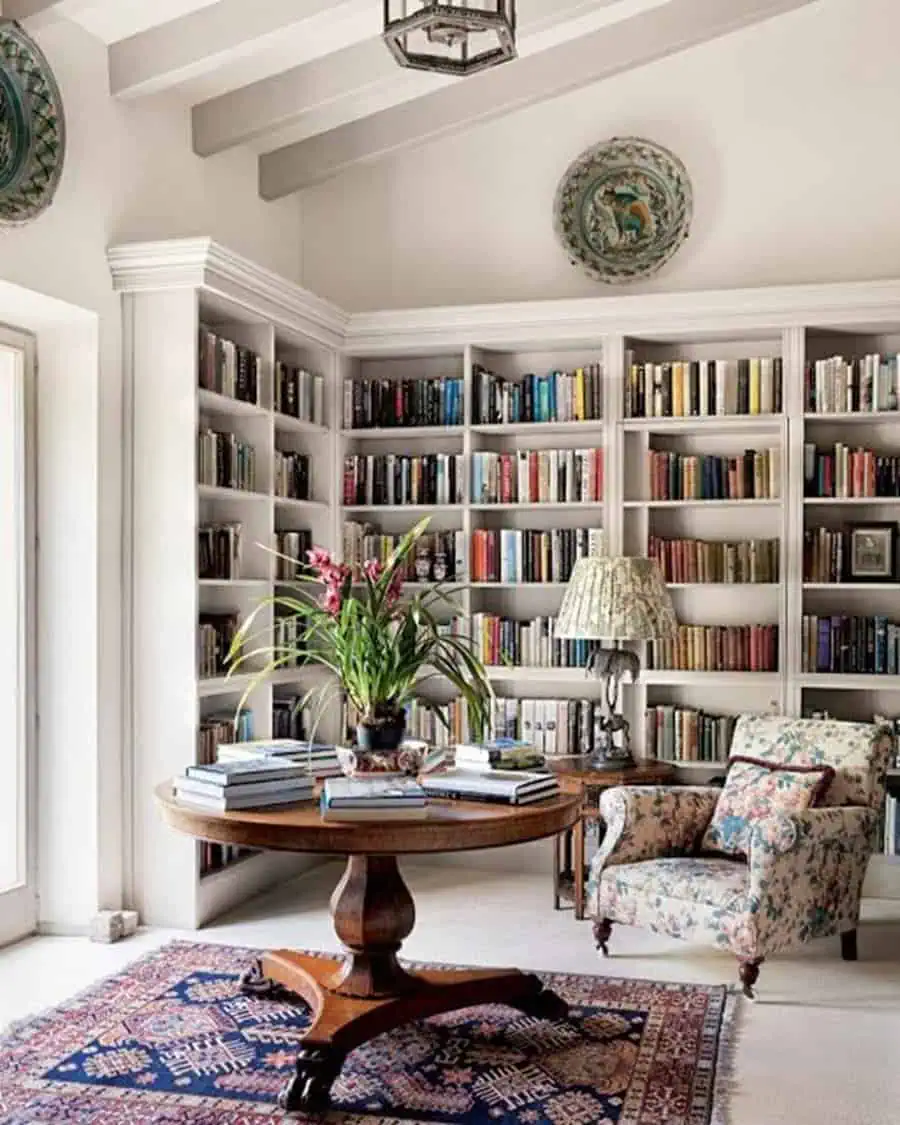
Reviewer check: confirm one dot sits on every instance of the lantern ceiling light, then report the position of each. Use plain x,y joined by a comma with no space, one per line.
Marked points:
457,39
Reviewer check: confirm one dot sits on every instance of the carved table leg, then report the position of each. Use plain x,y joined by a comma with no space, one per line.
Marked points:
308,1091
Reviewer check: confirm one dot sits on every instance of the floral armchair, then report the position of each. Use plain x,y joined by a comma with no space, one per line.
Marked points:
803,874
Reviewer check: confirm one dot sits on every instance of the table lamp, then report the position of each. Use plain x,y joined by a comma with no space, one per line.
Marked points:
615,599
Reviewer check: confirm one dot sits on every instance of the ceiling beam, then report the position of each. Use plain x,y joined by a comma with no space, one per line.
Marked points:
363,78
581,62
219,35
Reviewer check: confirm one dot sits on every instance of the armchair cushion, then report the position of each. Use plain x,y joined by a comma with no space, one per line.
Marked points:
755,790
647,821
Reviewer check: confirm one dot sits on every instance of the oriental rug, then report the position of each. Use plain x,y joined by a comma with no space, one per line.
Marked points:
171,1041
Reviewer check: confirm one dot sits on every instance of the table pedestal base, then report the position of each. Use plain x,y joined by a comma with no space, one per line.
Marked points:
340,1022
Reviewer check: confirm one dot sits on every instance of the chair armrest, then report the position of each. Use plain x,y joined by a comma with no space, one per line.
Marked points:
807,871
648,821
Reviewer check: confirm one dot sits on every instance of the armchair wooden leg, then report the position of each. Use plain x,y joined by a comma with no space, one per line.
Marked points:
848,946
602,932
749,973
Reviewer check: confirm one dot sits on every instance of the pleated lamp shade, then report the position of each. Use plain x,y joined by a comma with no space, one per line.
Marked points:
621,599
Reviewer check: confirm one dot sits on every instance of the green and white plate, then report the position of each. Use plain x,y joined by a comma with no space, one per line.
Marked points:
623,208
32,128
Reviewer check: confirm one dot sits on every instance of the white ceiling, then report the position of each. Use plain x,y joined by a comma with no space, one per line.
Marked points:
310,86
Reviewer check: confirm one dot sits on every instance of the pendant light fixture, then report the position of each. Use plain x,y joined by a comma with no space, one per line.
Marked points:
456,39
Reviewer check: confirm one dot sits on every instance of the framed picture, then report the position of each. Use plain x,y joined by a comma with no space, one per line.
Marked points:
872,554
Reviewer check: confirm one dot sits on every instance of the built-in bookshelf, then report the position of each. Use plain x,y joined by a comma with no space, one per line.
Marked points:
696,412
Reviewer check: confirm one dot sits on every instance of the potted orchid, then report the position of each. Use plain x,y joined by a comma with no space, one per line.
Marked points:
379,646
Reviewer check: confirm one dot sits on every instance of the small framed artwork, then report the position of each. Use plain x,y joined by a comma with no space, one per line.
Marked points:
872,554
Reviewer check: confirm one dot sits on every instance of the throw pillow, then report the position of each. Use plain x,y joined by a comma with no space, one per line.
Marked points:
755,789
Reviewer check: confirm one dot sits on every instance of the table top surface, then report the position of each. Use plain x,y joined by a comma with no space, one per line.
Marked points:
641,773
451,826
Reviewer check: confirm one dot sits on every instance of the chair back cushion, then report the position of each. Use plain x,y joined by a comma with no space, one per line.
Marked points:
756,790
859,753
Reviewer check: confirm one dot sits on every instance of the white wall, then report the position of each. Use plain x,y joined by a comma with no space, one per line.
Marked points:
130,174
787,129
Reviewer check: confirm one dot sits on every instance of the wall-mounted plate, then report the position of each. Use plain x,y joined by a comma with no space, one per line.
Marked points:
623,208
32,128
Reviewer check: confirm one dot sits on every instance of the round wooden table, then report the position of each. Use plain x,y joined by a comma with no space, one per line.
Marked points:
368,991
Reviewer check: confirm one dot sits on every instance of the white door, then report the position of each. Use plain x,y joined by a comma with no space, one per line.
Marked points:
18,891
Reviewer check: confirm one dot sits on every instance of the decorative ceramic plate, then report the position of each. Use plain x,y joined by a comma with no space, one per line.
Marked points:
32,128
623,208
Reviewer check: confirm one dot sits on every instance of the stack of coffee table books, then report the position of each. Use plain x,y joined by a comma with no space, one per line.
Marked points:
505,787
319,758
252,784
361,798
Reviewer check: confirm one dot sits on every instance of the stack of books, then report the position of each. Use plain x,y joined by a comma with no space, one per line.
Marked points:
496,786
254,784
499,753
317,760
349,799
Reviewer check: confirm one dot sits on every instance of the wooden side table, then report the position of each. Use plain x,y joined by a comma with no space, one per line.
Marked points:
577,778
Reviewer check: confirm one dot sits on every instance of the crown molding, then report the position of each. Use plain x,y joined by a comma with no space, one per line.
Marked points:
201,263
754,311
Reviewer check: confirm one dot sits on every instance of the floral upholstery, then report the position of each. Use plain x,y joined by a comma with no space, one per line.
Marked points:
754,790
803,874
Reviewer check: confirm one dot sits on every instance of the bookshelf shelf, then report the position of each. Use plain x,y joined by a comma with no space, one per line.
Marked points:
731,423
653,677
417,509
516,585
403,433
857,417
223,685
867,587
288,503
214,492
721,585
848,681
540,675
849,501
554,506
215,403
702,503
287,424
539,429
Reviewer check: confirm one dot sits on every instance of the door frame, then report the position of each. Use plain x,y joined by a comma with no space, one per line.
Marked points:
20,903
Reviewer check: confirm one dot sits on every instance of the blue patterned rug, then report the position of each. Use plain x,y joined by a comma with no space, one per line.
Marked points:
171,1041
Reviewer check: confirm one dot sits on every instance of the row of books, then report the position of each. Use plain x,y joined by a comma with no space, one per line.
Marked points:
556,727
523,555
383,403
292,548
845,472
530,644
826,555
686,734
755,475
224,461
560,396
299,393
700,560
228,369
717,648
292,475
531,476
289,637
850,645
701,388
433,478
219,551
215,633
289,718
439,556
860,385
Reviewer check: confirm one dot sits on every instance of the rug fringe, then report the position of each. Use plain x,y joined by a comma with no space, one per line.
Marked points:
726,1084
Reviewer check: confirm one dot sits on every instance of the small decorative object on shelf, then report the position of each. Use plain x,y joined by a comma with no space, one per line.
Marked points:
872,552
866,385
458,39
623,209
437,557
32,128
616,599
703,388
376,645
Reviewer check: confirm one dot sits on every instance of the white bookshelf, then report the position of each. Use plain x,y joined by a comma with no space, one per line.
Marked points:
167,284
